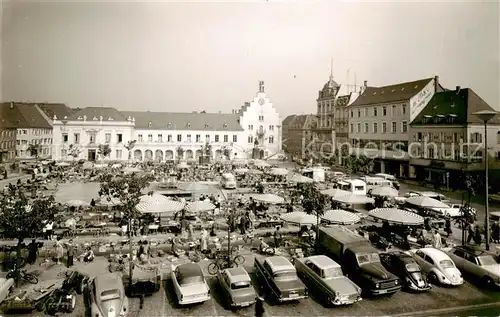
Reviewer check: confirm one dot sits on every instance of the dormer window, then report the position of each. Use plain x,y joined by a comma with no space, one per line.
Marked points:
110,119
79,118
149,124
188,124
169,125
95,118
225,125
207,125
66,117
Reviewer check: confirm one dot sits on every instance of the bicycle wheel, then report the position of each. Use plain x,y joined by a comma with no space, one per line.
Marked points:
239,260
213,268
30,278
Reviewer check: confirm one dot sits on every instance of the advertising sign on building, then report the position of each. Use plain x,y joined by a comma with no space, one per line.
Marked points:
420,100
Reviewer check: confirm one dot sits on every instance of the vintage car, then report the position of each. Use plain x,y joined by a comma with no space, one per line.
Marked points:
189,283
278,276
105,296
237,287
407,269
325,276
438,266
477,263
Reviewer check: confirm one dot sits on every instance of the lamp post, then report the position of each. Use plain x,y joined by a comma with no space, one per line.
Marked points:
485,116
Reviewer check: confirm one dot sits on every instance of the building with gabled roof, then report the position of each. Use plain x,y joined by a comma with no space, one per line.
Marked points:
297,133
448,139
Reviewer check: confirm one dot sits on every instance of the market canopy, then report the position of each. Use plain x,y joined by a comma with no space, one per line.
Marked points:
299,218
426,202
398,216
354,199
76,191
297,178
384,191
159,206
155,197
199,206
339,216
278,171
261,163
267,198
335,192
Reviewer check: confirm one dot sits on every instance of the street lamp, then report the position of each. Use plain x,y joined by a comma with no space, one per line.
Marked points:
485,116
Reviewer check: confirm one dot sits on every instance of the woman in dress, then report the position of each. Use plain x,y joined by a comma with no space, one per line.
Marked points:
59,250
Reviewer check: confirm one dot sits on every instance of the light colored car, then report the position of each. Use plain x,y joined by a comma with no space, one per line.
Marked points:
189,283
324,276
438,266
453,211
477,263
105,296
237,287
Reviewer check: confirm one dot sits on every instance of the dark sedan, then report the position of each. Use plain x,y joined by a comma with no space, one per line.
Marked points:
405,267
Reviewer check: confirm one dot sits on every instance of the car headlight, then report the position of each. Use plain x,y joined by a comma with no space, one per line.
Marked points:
396,282
377,285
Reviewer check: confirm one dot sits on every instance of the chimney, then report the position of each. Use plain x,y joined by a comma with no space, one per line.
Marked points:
365,84
436,83
457,90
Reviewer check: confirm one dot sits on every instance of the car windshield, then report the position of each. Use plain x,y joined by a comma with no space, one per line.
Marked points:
285,276
412,267
240,285
364,258
446,264
111,301
487,260
332,272
190,280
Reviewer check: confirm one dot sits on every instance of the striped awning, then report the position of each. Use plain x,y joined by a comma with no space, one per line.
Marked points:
354,199
395,215
159,206
339,216
199,206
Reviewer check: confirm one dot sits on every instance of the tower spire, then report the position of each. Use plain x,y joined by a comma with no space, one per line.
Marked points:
331,68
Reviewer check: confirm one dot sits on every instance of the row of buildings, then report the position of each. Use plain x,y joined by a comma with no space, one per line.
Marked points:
60,133
416,129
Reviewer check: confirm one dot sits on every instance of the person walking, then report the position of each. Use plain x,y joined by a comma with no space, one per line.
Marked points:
277,237
59,250
495,232
70,252
436,240
32,252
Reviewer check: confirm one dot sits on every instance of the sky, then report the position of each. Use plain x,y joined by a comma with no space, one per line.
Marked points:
184,56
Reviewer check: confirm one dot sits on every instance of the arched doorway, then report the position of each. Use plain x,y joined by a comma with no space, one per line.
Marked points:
169,155
189,155
218,154
148,155
138,155
159,155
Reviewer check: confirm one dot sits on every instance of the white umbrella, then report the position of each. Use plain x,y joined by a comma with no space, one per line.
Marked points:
354,199
299,218
154,197
130,170
394,215
340,216
278,171
159,206
268,198
241,170
62,164
76,203
260,163
426,202
199,206
297,178
335,192
384,191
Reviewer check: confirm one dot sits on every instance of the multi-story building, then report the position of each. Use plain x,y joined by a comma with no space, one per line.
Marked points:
448,140
341,125
379,122
298,135
8,133
79,135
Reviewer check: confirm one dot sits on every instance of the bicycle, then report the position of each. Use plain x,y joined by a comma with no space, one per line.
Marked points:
22,274
221,262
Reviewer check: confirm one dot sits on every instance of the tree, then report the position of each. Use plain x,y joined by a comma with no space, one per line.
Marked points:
313,202
360,164
34,150
104,150
127,189
466,214
74,151
129,146
20,219
180,153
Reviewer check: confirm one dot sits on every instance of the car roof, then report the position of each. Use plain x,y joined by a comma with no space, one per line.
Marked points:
237,274
189,269
403,256
434,253
322,261
279,263
473,250
108,281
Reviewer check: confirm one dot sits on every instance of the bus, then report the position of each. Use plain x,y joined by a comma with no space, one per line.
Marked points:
373,182
228,181
354,186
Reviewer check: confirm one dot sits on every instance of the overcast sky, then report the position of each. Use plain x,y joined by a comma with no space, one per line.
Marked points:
187,56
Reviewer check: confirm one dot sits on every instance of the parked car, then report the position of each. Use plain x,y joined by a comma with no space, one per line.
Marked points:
477,263
494,198
438,266
434,195
105,296
324,276
189,283
455,210
237,287
407,269
278,275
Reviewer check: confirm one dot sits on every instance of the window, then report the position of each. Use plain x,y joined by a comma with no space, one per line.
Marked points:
216,138
384,127
107,137
207,138
271,127
366,112
366,127
92,138
352,114
65,137
375,127
393,127
476,137
169,137
188,138
198,138
139,137
226,138
384,111
261,118
359,113
358,128
375,111
404,126
77,138
235,138
431,153
250,139
119,138
150,138
160,138
64,153
352,128
403,109
394,110
118,154
179,137
271,139
250,127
